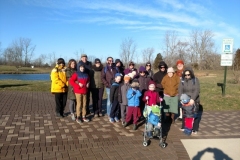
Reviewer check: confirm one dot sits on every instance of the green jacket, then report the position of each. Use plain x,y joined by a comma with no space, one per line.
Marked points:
95,77
69,73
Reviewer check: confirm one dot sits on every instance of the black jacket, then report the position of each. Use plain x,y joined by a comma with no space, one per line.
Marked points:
114,91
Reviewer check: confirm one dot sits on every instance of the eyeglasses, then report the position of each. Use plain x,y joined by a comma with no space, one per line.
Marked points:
187,74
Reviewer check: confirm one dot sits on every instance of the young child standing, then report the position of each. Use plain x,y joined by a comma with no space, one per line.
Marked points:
133,95
80,83
151,98
122,99
114,98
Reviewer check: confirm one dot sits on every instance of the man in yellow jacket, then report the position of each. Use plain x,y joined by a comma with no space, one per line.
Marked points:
59,86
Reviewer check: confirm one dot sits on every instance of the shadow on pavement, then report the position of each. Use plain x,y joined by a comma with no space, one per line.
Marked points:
218,154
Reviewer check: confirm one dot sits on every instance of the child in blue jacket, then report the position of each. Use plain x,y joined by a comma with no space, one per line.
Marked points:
133,96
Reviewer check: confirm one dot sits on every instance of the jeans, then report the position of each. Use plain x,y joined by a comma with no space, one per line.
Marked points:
72,105
108,101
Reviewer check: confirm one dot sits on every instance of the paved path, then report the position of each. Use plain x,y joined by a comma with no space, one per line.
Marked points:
29,130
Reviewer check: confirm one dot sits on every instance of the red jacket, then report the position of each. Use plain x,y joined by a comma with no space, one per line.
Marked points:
76,79
153,98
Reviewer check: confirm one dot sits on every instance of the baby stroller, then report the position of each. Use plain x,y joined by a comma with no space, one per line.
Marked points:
153,118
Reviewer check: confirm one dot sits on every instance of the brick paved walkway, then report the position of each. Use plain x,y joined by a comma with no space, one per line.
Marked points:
29,130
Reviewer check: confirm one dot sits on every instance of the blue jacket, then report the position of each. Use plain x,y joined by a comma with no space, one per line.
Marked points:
133,100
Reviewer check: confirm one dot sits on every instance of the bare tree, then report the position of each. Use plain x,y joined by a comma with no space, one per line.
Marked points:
147,55
40,61
127,50
28,49
52,59
201,47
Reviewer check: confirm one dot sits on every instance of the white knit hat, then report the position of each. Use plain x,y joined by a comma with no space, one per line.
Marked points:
170,69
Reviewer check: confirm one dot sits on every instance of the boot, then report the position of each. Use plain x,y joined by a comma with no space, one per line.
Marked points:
134,127
125,124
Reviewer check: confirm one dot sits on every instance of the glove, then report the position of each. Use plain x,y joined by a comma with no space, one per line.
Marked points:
133,93
147,97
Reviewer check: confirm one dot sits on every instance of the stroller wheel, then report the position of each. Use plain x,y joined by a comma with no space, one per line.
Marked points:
145,143
162,144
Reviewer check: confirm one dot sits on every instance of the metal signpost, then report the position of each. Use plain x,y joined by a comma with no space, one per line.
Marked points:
226,59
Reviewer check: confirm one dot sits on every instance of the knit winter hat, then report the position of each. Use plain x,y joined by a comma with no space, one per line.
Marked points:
185,98
127,77
60,60
151,83
170,69
117,60
83,55
179,62
135,83
97,60
118,74
142,69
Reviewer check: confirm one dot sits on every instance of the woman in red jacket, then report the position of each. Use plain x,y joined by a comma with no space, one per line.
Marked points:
80,83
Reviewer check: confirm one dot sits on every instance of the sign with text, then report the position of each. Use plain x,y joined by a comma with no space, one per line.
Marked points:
227,45
226,59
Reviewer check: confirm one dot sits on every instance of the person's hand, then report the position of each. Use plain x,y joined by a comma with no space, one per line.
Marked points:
80,84
87,85
191,102
147,97
133,93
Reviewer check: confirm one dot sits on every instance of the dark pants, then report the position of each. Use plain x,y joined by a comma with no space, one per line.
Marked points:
97,94
61,100
115,109
195,123
87,102
132,111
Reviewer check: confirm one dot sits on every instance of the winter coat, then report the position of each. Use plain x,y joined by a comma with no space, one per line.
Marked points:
87,66
149,73
153,98
123,88
95,77
170,85
80,77
133,100
189,110
157,77
69,73
191,87
114,92
59,80
143,82
107,75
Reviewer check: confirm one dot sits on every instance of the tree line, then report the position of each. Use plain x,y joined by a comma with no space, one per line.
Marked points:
197,49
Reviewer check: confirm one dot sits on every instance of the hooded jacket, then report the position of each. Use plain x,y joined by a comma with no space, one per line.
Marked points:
95,77
157,77
133,100
80,77
59,81
107,75
191,86
170,85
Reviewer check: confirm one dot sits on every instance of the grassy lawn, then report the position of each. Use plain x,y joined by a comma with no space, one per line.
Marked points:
211,94
23,70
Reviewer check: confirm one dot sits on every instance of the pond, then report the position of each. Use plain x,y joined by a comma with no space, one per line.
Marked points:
31,77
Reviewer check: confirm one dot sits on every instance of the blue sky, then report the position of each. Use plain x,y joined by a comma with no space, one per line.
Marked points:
99,26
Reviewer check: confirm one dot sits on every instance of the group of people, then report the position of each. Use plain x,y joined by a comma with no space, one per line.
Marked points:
129,90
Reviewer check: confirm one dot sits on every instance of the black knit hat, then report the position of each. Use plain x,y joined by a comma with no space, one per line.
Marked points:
60,60
97,60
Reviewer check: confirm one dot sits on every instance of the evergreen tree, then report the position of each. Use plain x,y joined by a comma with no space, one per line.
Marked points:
157,60
236,62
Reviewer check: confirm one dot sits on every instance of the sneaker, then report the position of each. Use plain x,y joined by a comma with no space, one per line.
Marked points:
85,119
181,129
73,117
194,132
78,120
111,120
123,123
116,119
134,127
179,119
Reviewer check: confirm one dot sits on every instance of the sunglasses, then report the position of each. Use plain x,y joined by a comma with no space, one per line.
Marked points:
162,67
187,74
142,72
